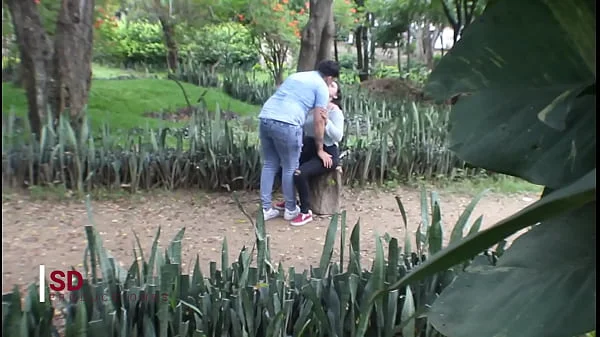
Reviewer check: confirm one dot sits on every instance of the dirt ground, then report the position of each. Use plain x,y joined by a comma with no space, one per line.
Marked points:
51,232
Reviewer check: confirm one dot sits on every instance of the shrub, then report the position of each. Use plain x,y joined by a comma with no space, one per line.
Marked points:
228,44
383,71
130,42
252,296
347,61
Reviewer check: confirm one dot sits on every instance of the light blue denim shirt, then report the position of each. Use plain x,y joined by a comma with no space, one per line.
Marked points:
334,130
297,95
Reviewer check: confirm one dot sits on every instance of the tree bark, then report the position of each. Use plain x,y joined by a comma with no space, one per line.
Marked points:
168,28
326,192
56,76
312,34
327,40
36,54
359,50
73,57
335,50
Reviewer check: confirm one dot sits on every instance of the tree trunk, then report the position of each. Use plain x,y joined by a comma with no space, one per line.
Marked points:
35,49
168,28
320,13
327,40
326,192
56,76
399,53
335,50
428,40
73,58
408,36
359,51
364,71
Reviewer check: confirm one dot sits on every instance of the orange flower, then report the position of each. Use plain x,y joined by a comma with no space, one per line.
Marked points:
355,20
307,5
241,17
347,2
353,10
301,12
285,1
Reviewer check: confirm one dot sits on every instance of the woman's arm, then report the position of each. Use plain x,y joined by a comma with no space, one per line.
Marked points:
335,125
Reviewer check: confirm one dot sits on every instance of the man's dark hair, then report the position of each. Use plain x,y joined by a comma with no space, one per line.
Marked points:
329,68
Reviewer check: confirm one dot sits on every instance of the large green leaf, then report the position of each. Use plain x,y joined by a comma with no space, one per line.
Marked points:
521,77
543,285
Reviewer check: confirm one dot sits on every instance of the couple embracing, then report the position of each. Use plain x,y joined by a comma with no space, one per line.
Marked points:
300,128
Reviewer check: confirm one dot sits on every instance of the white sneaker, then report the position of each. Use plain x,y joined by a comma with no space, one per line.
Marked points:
291,215
270,214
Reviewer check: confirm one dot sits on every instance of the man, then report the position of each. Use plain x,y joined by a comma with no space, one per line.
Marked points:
280,130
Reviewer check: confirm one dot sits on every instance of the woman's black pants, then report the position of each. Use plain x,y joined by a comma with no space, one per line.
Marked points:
310,166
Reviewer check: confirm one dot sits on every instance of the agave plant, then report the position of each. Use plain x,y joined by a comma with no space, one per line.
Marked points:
250,296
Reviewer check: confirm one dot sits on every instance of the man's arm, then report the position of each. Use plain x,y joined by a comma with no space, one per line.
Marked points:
319,123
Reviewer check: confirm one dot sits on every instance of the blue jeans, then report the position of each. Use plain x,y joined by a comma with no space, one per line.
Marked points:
281,144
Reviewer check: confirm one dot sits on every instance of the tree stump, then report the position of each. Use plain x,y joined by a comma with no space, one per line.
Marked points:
326,192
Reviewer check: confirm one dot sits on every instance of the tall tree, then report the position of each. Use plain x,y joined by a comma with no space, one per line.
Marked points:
56,72
274,24
461,13
317,35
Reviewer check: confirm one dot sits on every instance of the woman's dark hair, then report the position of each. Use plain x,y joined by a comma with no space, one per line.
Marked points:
338,96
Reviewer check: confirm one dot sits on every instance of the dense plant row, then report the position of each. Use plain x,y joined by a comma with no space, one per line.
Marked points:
252,296
382,143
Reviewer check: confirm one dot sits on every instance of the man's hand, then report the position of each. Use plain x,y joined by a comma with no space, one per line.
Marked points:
325,116
326,158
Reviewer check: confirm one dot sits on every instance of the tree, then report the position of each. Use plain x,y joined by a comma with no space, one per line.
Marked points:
56,72
345,18
317,35
275,26
461,13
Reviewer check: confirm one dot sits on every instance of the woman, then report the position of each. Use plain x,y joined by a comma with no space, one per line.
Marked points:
310,163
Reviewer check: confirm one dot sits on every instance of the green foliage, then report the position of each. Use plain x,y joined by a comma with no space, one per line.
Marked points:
246,87
229,44
347,61
129,42
382,142
383,71
527,108
251,296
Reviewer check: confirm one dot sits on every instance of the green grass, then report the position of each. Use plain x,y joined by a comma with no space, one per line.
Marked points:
106,72
123,103
502,184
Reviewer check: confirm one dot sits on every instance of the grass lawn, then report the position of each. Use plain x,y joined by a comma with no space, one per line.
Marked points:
104,72
123,103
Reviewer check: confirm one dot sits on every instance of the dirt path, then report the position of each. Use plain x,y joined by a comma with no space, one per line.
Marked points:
51,233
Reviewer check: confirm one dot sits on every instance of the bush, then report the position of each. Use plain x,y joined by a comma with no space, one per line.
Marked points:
383,71
228,44
252,296
130,42
347,61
